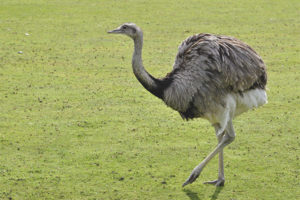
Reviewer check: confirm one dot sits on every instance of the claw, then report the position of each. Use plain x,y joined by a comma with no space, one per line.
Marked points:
194,175
190,180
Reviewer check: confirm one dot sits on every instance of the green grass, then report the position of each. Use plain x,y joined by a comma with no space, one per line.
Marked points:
76,124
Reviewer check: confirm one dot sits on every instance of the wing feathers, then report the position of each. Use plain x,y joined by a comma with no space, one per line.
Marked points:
207,67
239,65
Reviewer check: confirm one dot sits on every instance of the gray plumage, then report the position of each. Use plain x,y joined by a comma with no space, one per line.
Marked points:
207,67
214,77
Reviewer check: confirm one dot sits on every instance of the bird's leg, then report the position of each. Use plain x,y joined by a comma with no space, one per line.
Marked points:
226,139
221,179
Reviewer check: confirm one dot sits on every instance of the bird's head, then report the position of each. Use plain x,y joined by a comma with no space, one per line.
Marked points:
129,29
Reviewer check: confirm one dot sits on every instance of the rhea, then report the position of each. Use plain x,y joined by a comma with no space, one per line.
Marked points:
214,77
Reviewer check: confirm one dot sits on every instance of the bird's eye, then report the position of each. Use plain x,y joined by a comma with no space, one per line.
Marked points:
124,27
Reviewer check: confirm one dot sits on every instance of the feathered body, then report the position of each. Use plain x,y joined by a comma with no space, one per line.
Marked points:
208,69
214,77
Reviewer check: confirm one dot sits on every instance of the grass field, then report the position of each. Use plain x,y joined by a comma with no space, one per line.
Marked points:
76,124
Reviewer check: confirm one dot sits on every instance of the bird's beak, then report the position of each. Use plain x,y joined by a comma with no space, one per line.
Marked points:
116,31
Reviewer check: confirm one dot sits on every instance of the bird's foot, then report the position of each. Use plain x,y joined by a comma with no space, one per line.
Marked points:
194,175
218,183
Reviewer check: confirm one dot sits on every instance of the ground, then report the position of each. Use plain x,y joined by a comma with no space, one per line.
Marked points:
76,124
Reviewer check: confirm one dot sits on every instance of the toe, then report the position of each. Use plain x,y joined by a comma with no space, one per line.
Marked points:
191,179
219,182
211,182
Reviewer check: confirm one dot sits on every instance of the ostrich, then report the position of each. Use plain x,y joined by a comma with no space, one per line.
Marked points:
214,77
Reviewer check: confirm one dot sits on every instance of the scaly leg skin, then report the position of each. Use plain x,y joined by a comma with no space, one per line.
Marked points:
221,179
196,172
226,139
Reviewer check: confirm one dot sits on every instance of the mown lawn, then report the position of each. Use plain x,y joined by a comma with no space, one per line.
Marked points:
76,124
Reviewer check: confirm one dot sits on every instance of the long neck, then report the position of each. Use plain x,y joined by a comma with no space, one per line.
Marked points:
152,84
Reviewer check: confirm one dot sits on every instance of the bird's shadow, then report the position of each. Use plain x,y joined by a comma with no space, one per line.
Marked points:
194,196
216,193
